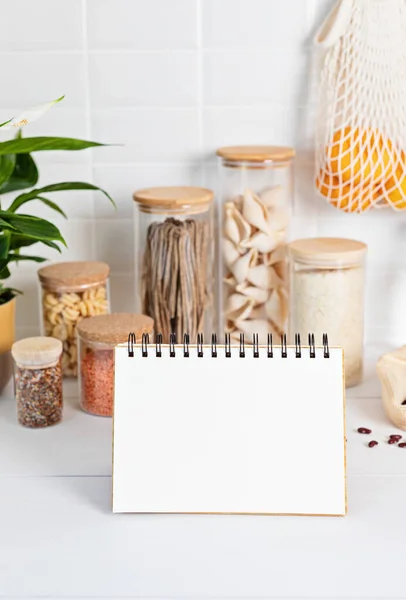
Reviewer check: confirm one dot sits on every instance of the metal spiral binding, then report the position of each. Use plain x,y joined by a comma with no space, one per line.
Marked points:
200,345
325,346
284,346
158,345
144,345
213,345
186,340
312,346
227,345
242,345
130,344
172,342
298,346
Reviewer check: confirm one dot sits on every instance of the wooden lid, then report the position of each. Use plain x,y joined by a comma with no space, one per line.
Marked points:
74,274
114,329
327,251
37,351
173,197
256,153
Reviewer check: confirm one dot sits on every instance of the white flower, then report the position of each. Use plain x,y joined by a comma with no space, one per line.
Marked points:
29,115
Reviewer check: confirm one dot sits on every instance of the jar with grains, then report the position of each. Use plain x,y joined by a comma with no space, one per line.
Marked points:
71,291
327,296
256,195
174,253
97,337
38,381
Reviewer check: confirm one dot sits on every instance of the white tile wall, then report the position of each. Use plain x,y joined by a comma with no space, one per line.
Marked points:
168,82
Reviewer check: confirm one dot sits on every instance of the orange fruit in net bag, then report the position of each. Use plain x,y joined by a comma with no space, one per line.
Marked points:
394,189
328,185
344,155
354,200
378,155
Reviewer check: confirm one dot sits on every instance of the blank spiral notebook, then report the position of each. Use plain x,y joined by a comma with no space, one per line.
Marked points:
245,429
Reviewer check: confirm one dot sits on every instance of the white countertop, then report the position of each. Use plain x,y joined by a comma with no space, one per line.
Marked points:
59,539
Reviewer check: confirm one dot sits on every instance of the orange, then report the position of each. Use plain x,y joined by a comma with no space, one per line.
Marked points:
395,189
344,155
378,154
328,185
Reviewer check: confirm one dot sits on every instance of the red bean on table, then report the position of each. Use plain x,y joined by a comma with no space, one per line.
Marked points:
373,443
402,445
364,430
395,437
392,441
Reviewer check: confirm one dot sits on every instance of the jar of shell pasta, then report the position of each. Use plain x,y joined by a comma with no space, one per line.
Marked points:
70,292
97,337
327,279
174,258
256,197
38,381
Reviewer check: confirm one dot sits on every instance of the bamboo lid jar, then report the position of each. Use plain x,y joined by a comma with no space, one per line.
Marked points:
174,253
97,337
71,291
327,277
256,197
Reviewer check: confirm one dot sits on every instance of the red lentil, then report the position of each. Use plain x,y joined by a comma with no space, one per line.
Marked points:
97,382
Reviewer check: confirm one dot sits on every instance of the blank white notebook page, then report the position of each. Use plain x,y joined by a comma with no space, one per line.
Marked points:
229,435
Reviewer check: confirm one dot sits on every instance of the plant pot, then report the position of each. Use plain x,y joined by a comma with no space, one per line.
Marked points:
7,337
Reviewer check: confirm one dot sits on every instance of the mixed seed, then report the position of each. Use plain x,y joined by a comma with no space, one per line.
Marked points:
39,395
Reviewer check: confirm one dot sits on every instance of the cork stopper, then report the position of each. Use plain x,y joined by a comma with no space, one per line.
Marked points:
37,351
114,329
73,275
327,251
256,153
180,199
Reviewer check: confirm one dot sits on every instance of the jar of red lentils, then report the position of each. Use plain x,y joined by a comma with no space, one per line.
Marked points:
97,337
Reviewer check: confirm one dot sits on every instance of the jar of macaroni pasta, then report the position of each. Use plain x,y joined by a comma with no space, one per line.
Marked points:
327,280
70,292
256,196
97,337
174,258
38,381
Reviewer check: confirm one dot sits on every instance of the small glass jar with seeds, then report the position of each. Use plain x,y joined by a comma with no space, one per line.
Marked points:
38,381
97,337
71,291
174,258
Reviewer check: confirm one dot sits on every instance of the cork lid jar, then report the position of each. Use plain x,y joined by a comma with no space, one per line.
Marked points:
328,252
73,275
255,155
97,337
36,352
114,329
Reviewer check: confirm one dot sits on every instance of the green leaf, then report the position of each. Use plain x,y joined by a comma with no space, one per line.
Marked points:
5,122
18,240
7,294
18,257
6,225
56,187
4,271
4,245
25,175
40,144
34,227
7,163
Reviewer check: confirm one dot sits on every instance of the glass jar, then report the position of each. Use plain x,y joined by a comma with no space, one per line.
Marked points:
174,260
97,337
71,291
256,196
327,280
38,381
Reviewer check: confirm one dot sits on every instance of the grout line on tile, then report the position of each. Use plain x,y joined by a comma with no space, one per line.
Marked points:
88,112
200,82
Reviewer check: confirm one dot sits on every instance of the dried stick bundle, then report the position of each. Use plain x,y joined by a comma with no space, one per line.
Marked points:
174,291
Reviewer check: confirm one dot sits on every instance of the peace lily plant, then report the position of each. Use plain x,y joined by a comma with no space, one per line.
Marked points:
18,172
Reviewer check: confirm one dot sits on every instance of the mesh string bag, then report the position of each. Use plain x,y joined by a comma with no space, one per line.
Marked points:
361,120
